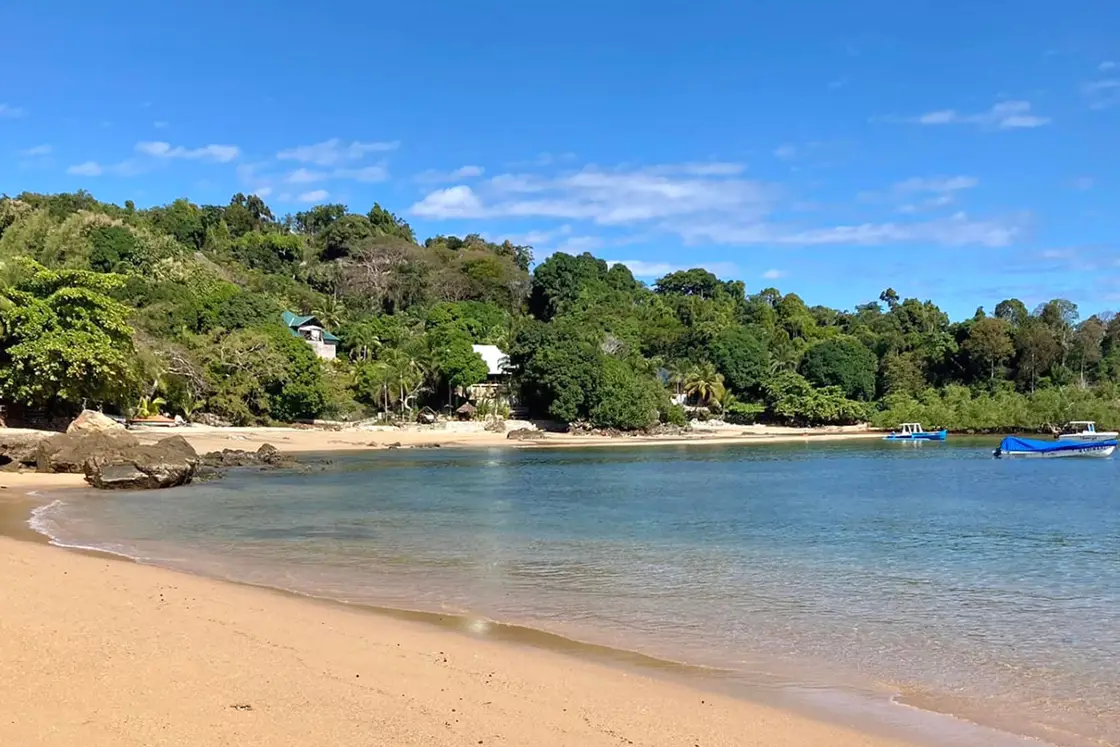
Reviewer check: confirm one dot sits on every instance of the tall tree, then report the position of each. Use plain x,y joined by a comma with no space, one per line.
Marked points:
989,343
68,342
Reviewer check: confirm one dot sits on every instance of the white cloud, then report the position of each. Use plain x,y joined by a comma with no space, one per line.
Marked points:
535,238
956,230
377,173
785,151
315,195
643,269
773,274
453,202
7,111
1106,65
262,192
305,176
699,209
36,151
434,176
89,168
1004,115
334,151
219,153
939,184
1102,93
543,159
607,197
467,172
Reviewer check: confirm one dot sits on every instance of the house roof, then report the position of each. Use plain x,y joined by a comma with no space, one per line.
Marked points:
497,362
295,322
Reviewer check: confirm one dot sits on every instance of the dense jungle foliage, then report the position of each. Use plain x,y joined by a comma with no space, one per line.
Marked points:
180,305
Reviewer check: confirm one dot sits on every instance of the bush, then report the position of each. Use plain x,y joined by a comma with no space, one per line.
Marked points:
743,413
675,415
624,399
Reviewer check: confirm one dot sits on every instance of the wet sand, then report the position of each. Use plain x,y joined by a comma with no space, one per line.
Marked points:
108,652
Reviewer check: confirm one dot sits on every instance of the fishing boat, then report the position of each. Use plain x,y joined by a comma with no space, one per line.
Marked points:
915,432
1013,446
1085,430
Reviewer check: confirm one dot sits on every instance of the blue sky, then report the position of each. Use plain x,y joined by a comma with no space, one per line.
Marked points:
960,151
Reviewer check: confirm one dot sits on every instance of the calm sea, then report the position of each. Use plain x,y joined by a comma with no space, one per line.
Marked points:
927,574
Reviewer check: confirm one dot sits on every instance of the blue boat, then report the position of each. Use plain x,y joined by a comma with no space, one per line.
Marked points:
915,432
1013,446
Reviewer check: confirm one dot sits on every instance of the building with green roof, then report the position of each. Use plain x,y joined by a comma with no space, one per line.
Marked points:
310,329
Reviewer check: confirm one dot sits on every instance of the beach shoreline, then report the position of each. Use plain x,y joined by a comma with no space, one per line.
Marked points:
317,440
112,652
844,717
23,492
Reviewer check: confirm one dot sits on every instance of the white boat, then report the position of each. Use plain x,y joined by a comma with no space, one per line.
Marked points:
1013,446
1086,430
915,432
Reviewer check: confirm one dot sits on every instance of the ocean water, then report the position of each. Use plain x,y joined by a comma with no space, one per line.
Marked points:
923,574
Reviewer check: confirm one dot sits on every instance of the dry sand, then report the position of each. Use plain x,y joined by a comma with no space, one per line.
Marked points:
108,653
308,440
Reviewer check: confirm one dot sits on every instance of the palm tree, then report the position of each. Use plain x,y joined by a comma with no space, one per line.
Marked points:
404,373
677,375
724,400
363,343
704,382
331,312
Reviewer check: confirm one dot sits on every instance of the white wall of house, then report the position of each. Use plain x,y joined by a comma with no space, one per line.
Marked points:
314,337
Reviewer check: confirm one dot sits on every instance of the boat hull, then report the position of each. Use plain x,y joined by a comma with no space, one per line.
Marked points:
1016,448
1088,437
925,436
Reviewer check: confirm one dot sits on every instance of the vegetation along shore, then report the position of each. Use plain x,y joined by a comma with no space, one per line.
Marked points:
231,314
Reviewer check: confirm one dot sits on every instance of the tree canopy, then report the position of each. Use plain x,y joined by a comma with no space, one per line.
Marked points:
103,305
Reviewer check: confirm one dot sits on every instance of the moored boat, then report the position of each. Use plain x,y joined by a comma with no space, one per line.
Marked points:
1086,430
915,432
1013,446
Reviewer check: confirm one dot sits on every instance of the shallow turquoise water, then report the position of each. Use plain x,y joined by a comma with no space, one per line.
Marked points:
975,586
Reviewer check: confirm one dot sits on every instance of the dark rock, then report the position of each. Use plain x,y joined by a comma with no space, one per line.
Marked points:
21,448
165,464
68,452
210,419
525,434
666,429
267,455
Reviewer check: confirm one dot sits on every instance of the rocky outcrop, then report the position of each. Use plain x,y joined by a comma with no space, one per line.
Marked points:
165,464
266,456
90,421
68,452
20,449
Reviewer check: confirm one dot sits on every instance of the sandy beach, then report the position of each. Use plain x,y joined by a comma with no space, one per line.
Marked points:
107,652
318,440
104,651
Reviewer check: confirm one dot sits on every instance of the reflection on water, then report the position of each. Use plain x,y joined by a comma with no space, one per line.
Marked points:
983,587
